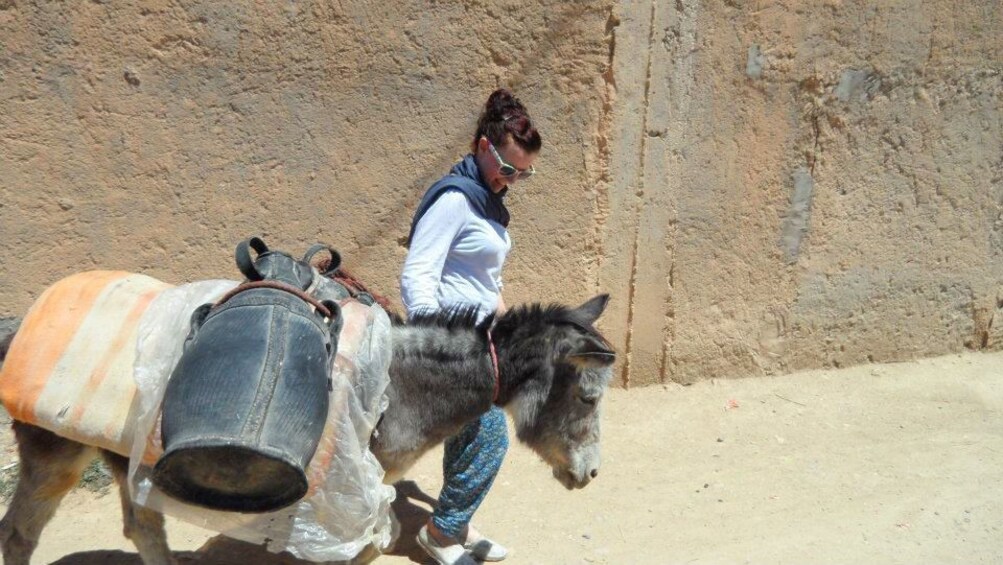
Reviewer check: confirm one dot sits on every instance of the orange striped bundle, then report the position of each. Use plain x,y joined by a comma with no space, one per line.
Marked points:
70,367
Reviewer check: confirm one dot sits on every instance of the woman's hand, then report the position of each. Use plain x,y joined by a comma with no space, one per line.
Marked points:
501,309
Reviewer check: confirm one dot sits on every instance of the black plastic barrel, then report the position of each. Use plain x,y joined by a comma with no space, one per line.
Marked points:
246,405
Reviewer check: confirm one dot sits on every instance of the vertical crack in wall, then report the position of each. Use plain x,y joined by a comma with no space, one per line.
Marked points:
796,220
632,287
669,329
603,146
814,155
631,290
678,71
814,88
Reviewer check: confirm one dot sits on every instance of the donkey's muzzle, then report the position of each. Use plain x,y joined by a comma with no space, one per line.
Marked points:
571,480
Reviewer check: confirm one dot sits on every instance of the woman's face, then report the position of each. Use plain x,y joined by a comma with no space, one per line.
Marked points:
509,153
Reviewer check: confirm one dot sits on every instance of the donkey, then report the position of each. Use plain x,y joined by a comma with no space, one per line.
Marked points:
546,365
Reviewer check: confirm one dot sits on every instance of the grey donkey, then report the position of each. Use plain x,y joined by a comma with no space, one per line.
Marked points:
553,368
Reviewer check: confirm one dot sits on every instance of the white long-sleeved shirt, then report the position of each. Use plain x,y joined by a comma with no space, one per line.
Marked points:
456,257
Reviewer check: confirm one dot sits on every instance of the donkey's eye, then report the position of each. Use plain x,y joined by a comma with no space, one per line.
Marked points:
588,400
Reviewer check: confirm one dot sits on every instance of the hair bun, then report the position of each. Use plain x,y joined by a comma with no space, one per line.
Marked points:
504,116
503,104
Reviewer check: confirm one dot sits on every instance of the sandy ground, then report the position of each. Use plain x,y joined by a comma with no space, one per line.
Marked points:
874,464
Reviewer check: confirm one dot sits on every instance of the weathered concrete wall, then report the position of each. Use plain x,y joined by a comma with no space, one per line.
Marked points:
762,186
154,135
805,184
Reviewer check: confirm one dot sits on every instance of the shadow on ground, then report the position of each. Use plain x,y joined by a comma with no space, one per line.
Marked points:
412,509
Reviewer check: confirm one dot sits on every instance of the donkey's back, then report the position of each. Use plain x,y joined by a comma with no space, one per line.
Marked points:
68,368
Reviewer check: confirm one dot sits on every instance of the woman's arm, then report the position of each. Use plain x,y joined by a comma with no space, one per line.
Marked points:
433,237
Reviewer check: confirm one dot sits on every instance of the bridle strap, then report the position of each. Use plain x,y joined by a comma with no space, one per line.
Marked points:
494,365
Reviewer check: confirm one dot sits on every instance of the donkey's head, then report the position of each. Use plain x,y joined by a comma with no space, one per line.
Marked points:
562,366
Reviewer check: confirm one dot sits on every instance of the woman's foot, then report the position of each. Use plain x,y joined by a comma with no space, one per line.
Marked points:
443,549
482,547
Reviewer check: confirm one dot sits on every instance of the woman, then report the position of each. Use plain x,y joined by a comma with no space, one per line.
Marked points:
458,244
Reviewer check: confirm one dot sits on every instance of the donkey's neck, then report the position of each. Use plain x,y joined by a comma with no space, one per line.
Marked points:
524,354
441,379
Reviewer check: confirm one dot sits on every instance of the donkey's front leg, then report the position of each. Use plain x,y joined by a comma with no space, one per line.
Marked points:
50,467
143,526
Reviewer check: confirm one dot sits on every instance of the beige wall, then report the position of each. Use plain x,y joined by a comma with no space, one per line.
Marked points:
804,184
761,186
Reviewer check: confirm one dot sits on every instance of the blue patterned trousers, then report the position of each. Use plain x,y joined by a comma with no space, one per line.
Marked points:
469,467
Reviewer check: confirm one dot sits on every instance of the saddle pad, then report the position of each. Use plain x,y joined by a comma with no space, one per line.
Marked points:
69,368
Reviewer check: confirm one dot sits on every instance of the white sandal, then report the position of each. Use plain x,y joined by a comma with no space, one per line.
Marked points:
452,554
482,547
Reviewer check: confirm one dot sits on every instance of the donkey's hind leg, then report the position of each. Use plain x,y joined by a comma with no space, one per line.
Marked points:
50,467
143,526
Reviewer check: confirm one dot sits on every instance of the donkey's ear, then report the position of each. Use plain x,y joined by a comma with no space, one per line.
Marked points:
592,309
592,353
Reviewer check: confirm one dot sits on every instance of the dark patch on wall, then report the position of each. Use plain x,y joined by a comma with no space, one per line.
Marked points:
796,221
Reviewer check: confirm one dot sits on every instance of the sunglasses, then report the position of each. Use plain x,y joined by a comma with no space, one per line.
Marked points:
509,171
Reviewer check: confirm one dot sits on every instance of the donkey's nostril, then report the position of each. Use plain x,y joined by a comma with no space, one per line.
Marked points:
594,473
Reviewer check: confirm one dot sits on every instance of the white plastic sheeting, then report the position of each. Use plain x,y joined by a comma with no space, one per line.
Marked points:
347,506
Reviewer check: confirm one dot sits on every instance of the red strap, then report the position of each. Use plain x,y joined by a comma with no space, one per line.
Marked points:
494,364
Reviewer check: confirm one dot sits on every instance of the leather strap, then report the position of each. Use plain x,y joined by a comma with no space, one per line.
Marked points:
317,248
243,256
277,285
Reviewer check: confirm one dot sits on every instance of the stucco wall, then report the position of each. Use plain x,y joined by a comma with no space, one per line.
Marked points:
761,186
805,184
154,136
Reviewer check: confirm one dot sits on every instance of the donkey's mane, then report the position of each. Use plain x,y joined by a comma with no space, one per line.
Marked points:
455,318
465,317
526,317
530,315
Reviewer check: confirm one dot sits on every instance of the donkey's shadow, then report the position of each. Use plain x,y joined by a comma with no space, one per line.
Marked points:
226,551
411,517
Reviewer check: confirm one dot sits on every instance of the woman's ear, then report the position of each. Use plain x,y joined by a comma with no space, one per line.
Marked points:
482,145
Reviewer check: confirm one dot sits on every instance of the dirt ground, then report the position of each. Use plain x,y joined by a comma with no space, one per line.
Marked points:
873,464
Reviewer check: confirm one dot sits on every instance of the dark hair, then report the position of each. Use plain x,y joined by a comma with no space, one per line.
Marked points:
504,115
